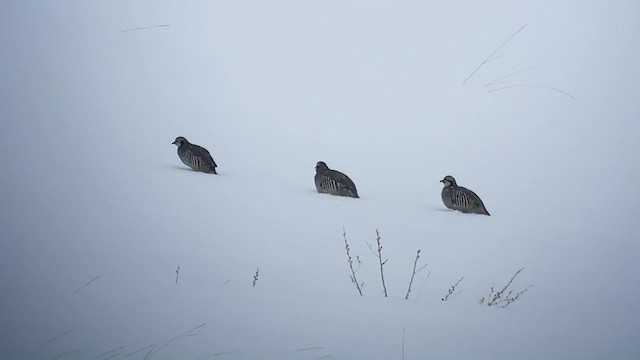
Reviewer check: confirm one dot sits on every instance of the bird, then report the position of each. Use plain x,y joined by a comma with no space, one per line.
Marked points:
333,182
194,156
459,198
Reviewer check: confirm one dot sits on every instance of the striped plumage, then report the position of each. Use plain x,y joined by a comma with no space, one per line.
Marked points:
459,198
333,182
194,156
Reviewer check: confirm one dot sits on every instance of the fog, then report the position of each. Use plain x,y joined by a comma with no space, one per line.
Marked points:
531,105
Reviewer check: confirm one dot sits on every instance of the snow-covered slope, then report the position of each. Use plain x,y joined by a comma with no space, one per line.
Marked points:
98,212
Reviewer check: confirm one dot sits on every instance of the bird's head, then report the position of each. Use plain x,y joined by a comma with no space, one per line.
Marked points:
179,141
321,167
448,181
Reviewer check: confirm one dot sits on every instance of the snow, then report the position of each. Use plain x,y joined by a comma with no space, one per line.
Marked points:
98,212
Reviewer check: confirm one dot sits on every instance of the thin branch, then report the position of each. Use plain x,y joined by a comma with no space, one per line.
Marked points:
301,350
413,274
87,284
534,86
422,286
68,352
142,349
403,340
384,286
255,277
54,339
166,343
489,58
350,261
370,246
452,290
221,353
109,352
177,273
144,28
491,83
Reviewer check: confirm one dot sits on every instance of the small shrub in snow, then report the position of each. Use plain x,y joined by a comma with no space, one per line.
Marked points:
504,297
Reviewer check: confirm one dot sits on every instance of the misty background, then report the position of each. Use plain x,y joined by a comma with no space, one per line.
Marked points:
98,212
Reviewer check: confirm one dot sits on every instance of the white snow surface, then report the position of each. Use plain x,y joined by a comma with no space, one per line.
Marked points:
98,212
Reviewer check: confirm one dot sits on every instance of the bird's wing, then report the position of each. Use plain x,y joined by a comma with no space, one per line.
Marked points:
473,196
344,180
204,153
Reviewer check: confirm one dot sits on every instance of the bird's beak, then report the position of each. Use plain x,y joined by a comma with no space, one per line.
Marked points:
174,143
442,180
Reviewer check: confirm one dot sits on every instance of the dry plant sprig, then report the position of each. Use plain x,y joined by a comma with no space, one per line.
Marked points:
535,87
159,346
86,284
177,273
350,261
255,277
403,338
423,283
413,274
145,28
110,354
490,57
500,80
378,238
504,297
53,339
452,290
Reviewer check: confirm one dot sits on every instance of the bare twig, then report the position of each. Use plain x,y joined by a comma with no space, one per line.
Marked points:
87,284
534,86
177,273
166,343
384,287
303,349
350,261
499,80
54,339
370,246
144,28
68,352
142,349
490,57
452,290
110,353
255,277
403,339
221,353
413,274
422,286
